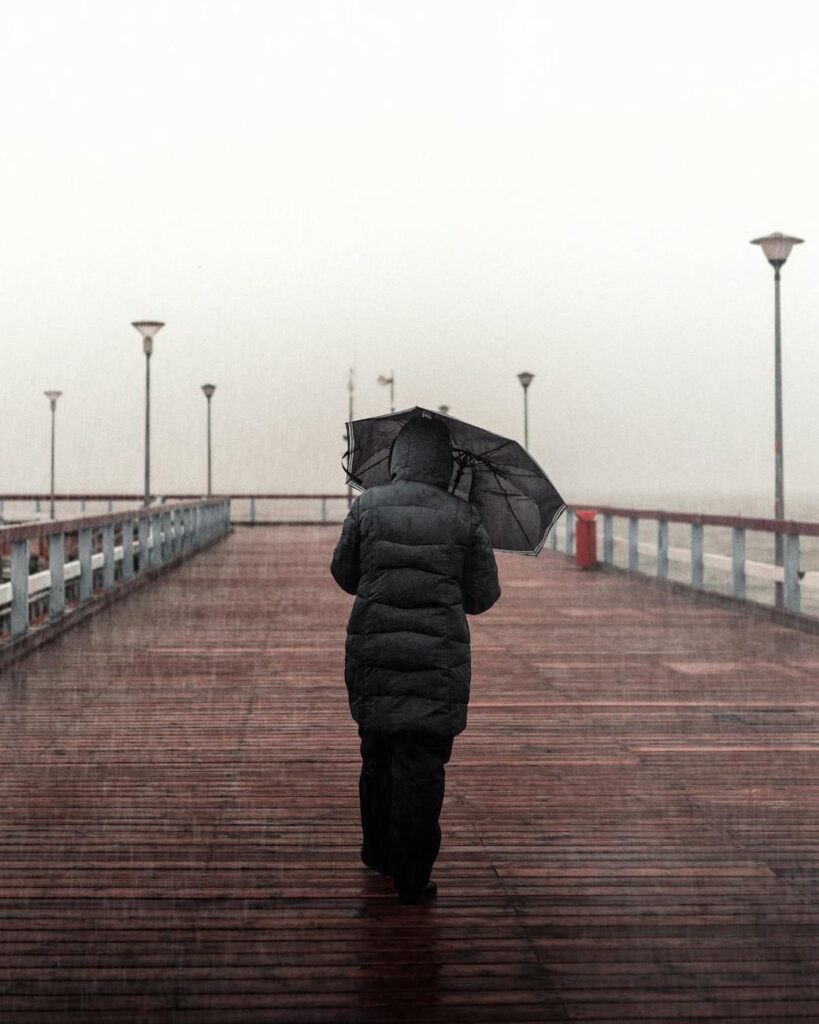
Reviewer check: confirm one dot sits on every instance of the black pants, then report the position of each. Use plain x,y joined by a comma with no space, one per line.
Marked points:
402,790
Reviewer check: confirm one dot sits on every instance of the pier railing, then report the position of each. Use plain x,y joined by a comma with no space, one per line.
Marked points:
53,568
733,555
729,554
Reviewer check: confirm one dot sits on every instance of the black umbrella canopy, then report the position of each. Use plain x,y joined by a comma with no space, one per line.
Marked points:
518,503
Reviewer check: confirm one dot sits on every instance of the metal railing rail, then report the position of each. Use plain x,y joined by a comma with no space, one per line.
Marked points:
40,502
149,539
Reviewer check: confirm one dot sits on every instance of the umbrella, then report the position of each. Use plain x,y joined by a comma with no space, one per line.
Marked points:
517,501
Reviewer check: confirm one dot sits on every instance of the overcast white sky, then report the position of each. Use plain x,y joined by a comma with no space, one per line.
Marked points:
456,191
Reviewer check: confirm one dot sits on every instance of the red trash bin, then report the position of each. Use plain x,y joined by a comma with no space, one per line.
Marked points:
585,546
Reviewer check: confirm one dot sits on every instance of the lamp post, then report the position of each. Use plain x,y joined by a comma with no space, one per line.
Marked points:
209,389
148,328
391,381
526,379
351,392
777,247
52,396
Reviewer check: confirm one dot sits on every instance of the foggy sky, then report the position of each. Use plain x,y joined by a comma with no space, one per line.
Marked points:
453,191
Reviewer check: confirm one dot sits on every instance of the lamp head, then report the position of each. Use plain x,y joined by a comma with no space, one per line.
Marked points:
777,247
148,328
384,380
208,389
52,396
526,379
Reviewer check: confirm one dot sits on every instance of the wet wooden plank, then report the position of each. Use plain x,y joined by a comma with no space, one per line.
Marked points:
630,830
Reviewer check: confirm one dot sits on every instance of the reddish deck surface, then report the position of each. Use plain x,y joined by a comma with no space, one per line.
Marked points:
631,829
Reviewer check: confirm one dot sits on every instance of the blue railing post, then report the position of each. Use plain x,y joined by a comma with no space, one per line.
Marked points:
127,549
19,588
662,549
791,590
569,532
253,510
86,571
56,567
697,547
738,561
184,531
143,525
167,540
154,546
175,519
108,556
608,539
633,541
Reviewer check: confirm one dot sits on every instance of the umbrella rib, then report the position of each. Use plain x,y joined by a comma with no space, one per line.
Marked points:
367,468
485,455
511,509
383,458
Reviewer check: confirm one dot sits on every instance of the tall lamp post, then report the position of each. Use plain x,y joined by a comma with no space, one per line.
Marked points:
148,328
777,247
209,389
391,381
52,396
525,380
351,392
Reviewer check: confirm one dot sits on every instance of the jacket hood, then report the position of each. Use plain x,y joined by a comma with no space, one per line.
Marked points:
422,451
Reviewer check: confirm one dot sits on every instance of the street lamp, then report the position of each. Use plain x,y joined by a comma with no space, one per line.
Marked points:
209,389
391,381
52,396
526,379
777,247
148,328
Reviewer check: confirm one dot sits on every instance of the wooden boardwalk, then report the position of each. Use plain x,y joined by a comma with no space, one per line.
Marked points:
631,828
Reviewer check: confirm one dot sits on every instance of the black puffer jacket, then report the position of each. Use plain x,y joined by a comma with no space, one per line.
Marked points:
417,559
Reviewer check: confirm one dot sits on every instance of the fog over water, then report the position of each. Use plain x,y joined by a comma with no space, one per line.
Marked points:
453,191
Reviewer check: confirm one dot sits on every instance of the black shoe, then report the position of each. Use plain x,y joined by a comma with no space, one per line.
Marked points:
417,896
375,865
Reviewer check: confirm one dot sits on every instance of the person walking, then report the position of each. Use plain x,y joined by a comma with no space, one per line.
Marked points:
418,560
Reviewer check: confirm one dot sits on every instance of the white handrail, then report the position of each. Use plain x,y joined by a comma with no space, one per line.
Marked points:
759,570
